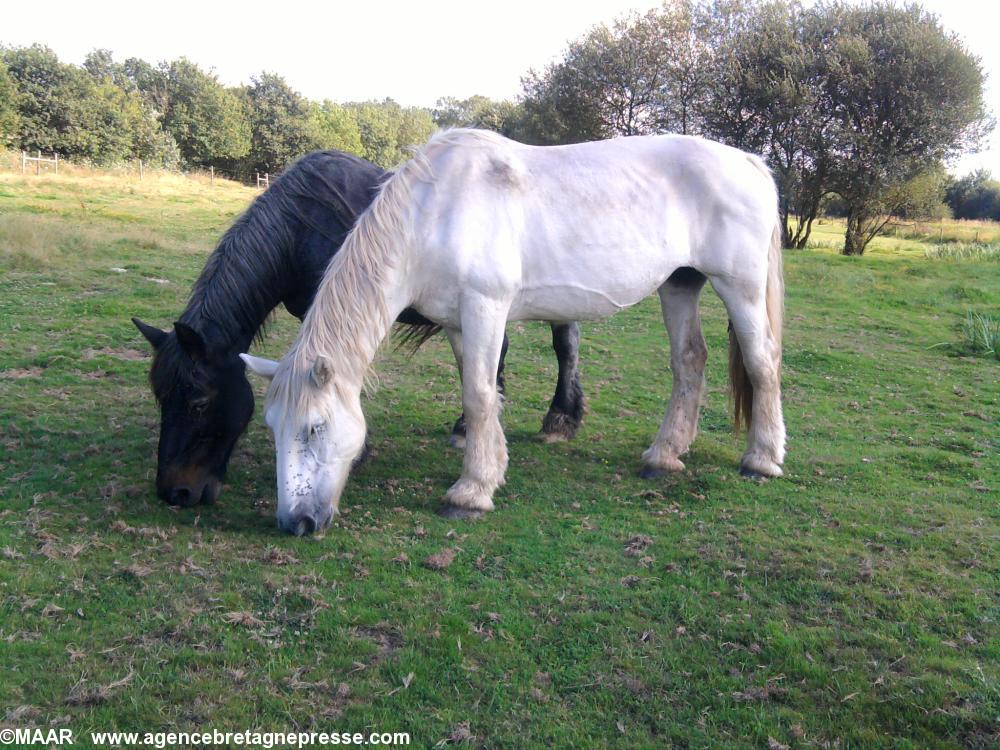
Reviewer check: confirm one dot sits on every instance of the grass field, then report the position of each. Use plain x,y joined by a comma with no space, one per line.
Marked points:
851,604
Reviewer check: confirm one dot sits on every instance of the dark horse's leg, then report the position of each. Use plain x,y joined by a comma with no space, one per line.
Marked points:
457,438
566,409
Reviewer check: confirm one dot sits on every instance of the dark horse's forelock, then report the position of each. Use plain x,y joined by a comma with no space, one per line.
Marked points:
165,372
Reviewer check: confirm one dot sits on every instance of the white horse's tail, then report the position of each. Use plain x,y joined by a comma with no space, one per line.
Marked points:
740,385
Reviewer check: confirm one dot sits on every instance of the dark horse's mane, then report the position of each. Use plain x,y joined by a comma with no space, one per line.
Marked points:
237,285
259,262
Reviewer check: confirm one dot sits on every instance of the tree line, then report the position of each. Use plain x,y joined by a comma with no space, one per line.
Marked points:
861,106
176,115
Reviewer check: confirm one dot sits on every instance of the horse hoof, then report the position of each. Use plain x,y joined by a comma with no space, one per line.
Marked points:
457,512
557,427
752,475
554,437
652,472
457,441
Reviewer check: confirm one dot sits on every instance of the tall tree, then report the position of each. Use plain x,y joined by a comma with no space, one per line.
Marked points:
609,83
101,65
557,109
478,112
151,81
975,196
388,130
904,94
10,119
838,98
334,126
279,118
415,126
207,121
764,97
91,112
47,91
641,74
678,26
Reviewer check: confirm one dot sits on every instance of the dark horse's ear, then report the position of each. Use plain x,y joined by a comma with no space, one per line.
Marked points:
153,335
191,341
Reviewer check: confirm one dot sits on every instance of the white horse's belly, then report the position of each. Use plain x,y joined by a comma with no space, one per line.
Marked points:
564,304
588,290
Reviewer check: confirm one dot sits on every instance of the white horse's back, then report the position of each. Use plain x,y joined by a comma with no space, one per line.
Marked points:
582,231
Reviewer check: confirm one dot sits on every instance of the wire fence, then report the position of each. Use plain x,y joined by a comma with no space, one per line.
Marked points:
40,164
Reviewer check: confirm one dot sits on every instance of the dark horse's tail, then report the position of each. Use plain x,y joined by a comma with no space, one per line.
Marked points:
739,380
413,330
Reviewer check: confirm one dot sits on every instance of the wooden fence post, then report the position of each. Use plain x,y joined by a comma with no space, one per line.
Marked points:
141,169
38,164
212,172
24,161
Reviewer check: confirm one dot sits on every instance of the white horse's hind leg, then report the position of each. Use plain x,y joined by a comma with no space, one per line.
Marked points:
761,357
679,303
485,461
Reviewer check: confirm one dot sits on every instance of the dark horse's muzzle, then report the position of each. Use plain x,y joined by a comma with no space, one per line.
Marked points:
187,491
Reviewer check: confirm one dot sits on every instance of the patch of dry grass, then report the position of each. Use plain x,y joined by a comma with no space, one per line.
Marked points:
10,162
33,242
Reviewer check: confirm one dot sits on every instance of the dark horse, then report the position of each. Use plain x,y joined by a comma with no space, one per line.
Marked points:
275,253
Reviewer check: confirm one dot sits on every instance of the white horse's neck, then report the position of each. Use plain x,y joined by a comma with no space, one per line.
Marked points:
353,312
364,288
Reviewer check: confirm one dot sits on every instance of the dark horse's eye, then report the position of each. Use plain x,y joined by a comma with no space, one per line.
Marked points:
199,405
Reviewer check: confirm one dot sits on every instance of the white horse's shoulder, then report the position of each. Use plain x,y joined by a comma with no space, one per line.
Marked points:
476,157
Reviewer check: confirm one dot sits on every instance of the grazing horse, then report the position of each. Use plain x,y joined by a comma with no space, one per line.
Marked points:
276,253
477,230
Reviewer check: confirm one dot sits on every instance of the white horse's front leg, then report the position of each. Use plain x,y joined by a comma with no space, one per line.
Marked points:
485,461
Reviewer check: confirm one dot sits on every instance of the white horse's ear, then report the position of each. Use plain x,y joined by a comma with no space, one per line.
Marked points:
322,371
260,366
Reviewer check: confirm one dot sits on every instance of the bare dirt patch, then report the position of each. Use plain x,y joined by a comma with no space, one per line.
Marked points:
21,372
384,637
129,355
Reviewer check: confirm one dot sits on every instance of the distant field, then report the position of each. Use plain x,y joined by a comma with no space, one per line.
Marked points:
851,604
914,239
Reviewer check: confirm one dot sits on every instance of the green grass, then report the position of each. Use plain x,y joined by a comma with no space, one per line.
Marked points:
948,240
981,334
851,604
965,251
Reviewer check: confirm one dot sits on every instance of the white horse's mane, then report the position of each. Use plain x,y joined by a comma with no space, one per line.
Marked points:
348,319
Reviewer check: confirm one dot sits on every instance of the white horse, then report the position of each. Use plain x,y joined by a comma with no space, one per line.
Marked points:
477,230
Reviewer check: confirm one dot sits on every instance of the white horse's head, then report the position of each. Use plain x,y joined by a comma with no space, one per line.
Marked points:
318,432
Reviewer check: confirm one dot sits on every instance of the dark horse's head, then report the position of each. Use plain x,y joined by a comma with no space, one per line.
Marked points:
274,253
205,405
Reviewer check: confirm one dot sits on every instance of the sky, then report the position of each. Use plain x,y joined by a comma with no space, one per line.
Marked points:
413,52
